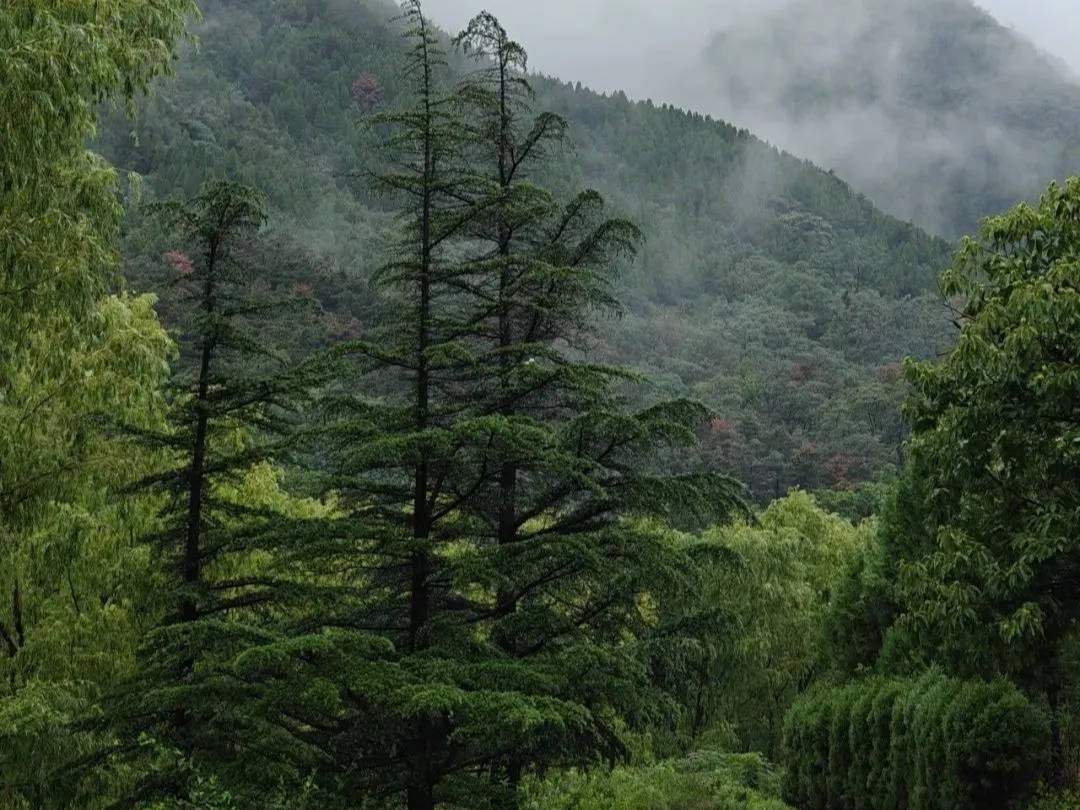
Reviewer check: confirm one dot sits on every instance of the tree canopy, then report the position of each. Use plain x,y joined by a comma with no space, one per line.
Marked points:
405,480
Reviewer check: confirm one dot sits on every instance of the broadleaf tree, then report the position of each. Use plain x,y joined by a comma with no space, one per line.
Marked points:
997,445
67,351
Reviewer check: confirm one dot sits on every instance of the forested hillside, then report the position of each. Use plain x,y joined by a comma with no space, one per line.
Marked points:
939,113
766,288
358,453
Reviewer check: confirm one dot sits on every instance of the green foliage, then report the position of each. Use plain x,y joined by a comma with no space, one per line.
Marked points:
58,209
856,504
862,625
236,407
930,743
703,781
1050,800
862,611
996,445
473,580
478,601
492,488
768,586
766,288
59,215
74,586
224,532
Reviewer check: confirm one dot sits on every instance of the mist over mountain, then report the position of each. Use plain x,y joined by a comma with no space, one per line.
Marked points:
935,109
931,107
411,406
767,288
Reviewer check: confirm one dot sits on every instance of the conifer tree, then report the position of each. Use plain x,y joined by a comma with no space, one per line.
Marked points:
565,563
493,643
399,457
479,608
235,408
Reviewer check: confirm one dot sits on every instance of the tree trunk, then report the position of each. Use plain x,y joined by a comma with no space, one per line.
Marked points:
192,566
421,796
506,601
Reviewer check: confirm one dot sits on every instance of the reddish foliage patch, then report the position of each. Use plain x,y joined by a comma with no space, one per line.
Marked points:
722,428
301,290
890,373
181,263
838,467
366,92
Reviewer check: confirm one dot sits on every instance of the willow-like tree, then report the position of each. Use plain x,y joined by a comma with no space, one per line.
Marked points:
67,351
59,210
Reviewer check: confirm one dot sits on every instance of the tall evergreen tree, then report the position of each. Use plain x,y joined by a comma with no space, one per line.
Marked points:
399,458
481,604
235,408
566,565
493,549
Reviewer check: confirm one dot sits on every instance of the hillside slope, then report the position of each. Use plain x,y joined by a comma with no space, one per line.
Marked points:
932,108
768,288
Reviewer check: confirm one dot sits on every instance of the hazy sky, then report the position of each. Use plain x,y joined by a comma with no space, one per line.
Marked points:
1053,24
614,44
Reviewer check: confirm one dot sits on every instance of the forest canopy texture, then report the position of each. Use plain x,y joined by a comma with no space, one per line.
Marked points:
385,426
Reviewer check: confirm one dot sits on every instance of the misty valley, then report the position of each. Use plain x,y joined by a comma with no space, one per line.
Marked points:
387,424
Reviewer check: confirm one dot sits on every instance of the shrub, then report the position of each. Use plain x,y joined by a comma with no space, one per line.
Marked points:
884,702
862,753
702,781
932,743
1047,800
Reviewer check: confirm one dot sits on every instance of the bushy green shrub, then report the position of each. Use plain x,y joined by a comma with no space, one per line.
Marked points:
859,768
933,743
1047,800
702,781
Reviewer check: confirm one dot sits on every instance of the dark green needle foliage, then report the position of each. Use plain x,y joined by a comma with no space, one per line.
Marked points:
493,552
236,405
567,462
565,458
235,408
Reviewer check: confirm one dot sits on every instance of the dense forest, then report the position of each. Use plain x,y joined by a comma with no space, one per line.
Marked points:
383,426
765,288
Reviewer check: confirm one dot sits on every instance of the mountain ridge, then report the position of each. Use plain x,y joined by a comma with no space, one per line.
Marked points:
934,109
767,287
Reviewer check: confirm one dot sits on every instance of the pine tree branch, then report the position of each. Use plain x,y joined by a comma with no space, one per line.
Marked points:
17,615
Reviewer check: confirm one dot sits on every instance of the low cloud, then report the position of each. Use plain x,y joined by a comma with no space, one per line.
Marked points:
603,42
841,82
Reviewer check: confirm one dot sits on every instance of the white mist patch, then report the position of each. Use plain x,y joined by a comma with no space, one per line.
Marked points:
930,107
1054,25
635,46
